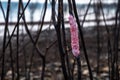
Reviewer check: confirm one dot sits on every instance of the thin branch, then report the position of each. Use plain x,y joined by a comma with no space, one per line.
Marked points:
82,39
4,40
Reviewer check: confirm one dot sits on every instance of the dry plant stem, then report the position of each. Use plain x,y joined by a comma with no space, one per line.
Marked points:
82,39
17,24
109,48
43,59
70,77
53,12
57,28
10,45
4,40
62,55
17,42
97,14
37,38
88,6
2,9
4,19
79,67
11,57
70,7
32,40
70,11
31,60
115,70
71,72
36,47
43,17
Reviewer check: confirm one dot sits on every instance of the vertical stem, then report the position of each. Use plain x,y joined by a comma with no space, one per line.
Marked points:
10,46
43,17
53,12
4,40
109,48
82,39
34,44
79,68
70,7
43,68
2,9
88,7
62,55
11,56
115,48
57,28
65,44
17,54
97,14
98,49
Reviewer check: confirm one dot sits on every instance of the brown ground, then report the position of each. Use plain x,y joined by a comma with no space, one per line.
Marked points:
53,66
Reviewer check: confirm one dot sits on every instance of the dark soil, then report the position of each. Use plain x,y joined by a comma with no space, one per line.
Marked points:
53,66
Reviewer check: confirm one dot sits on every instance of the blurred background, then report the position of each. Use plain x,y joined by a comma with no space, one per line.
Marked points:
33,47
